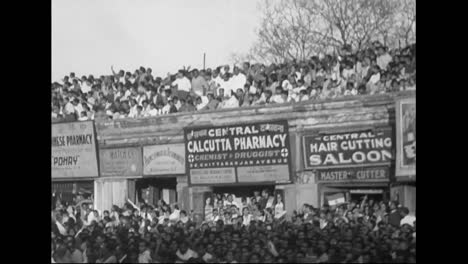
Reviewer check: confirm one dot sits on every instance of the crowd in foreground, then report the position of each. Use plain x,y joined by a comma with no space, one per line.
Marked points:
258,230
373,70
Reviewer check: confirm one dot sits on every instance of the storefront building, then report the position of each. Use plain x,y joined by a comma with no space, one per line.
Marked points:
163,175
73,161
209,165
351,163
237,159
120,169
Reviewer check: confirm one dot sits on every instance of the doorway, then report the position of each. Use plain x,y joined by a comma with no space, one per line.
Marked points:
151,190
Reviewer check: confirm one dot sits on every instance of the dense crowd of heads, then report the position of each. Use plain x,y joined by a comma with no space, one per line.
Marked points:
365,231
373,70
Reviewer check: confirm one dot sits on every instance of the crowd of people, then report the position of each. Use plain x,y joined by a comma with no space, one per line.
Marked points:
373,70
256,230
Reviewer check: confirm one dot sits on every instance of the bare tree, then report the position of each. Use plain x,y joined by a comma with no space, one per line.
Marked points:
298,29
406,22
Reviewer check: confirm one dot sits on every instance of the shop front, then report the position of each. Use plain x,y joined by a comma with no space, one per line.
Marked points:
120,167
163,175
405,169
74,162
239,160
350,165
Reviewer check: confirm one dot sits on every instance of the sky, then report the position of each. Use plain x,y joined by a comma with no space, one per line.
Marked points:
89,36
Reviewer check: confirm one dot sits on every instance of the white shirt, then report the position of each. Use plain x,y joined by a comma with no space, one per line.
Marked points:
351,92
203,103
79,108
409,219
287,85
253,89
153,112
183,84
127,94
188,255
246,219
165,109
238,81
231,103
85,88
69,108
347,73
144,257
277,99
383,61
178,105
374,78
228,87
218,80
207,257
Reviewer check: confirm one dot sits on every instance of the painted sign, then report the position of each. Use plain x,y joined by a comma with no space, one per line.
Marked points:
361,148
74,150
373,174
236,154
121,162
164,159
406,138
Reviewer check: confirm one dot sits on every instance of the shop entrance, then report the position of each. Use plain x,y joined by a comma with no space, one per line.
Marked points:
70,193
151,190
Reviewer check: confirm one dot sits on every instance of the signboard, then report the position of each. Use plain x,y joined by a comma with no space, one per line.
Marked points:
74,150
406,138
121,162
353,149
164,159
237,154
372,174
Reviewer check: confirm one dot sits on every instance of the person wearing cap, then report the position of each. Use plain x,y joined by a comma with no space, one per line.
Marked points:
182,85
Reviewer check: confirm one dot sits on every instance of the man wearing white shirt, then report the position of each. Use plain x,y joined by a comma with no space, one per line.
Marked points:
407,218
384,58
238,79
217,77
133,108
232,102
183,85
278,97
69,108
86,87
226,85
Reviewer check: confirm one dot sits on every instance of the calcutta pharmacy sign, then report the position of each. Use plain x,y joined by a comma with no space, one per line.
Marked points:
74,150
237,154
359,148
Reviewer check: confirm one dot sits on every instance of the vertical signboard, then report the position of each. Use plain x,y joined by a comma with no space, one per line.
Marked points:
238,154
74,150
406,138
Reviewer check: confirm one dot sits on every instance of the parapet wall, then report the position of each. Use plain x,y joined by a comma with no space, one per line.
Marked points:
371,110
